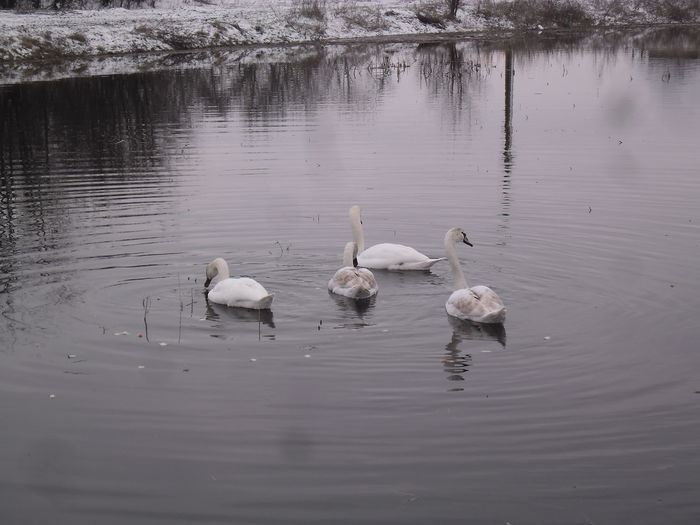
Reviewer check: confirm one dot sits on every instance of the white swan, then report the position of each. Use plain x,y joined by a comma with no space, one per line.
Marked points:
350,281
386,256
241,292
478,303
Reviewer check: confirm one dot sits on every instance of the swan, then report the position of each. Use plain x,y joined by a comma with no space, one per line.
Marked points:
479,304
241,292
386,256
351,281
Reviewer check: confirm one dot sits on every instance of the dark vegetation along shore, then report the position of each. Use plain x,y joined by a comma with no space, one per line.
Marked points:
51,30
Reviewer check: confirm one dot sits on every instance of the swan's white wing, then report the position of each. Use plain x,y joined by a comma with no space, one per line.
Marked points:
388,256
242,292
357,283
479,304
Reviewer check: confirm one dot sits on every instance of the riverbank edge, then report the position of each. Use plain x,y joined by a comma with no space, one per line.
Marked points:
62,62
52,37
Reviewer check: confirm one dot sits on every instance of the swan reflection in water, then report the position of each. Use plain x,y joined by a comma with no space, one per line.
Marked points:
457,364
468,330
390,278
353,311
217,312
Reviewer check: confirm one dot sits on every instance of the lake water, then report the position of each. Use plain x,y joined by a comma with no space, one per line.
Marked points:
571,163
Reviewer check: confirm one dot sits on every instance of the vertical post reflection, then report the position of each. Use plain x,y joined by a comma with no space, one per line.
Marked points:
508,117
507,132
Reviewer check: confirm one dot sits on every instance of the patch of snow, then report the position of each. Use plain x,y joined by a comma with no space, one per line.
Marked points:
175,25
47,35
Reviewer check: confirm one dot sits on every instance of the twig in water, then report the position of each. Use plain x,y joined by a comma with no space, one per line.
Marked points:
282,249
182,306
146,307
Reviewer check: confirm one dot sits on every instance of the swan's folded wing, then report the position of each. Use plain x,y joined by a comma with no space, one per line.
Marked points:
394,257
479,304
242,292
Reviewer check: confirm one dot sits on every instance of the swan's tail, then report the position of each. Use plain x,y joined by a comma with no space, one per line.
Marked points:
359,292
496,316
427,264
265,302
415,265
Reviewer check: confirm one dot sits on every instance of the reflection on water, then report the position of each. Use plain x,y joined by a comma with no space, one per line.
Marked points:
355,310
463,330
457,361
116,191
456,365
224,316
410,280
508,160
508,74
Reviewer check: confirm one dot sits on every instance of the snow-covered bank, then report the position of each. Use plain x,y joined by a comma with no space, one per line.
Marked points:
51,35
29,41
116,31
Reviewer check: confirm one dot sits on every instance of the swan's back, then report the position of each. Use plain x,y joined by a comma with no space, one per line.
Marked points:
356,283
478,303
388,256
241,292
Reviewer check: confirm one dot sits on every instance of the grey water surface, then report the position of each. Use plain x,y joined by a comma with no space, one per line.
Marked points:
571,163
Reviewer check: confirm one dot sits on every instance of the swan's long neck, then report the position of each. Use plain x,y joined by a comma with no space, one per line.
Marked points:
460,281
357,233
221,268
349,254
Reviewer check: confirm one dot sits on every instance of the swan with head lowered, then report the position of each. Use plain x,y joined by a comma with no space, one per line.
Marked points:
351,281
241,292
386,256
480,303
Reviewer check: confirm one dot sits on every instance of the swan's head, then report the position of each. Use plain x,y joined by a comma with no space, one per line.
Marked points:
216,267
456,235
355,213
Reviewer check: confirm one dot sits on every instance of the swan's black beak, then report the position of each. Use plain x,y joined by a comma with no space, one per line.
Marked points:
206,283
466,241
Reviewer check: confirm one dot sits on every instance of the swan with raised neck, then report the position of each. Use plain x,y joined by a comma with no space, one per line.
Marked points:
386,256
479,303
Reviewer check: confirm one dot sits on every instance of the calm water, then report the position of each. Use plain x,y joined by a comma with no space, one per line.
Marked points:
572,165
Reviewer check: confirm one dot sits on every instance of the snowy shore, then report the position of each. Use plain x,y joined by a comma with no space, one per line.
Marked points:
55,34
117,31
37,41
